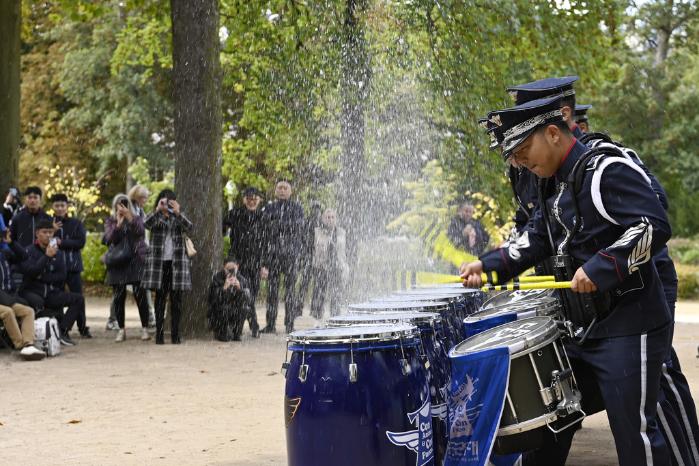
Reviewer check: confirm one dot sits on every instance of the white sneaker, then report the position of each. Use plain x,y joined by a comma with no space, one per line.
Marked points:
121,336
144,334
31,353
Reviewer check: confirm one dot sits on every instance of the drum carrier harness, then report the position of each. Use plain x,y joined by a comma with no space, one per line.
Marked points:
582,311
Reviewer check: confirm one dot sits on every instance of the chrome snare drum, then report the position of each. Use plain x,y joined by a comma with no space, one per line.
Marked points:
542,393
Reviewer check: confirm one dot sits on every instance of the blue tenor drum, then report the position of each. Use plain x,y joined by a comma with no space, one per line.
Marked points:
462,301
450,334
434,356
357,396
488,318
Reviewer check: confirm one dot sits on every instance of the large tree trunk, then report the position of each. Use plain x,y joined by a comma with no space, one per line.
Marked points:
10,24
197,99
356,75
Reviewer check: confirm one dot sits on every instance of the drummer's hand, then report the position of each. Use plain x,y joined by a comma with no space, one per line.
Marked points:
471,274
581,283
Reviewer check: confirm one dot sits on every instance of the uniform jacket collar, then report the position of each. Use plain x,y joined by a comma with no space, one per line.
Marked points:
576,150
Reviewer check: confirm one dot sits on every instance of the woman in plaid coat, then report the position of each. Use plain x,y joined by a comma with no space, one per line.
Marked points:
167,268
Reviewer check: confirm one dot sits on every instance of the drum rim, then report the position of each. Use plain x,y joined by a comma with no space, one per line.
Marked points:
413,318
417,306
548,334
501,293
528,425
404,331
394,299
462,290
550,304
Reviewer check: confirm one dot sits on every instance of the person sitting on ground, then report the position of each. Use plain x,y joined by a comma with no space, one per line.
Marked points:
12,307
230,302
44,276
70,236
125,235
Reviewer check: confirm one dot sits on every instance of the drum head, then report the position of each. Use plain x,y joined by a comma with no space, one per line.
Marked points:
415,318
508,298
449,287
400,306
334,335
518,336
404,298
543,306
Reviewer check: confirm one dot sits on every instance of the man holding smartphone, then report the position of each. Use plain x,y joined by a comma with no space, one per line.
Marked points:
44,276
70,237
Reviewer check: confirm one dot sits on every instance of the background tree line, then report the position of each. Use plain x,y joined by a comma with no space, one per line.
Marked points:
354,99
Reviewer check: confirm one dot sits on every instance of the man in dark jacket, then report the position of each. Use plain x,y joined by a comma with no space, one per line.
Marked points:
284,224
23,226
466,232
14,308
305,256
246,235
229,302
70,236
44,276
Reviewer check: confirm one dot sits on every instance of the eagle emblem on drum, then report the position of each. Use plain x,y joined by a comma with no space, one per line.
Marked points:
461,414
420,440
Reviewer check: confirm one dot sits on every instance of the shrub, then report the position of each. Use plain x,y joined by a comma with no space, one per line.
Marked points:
688,276
94,270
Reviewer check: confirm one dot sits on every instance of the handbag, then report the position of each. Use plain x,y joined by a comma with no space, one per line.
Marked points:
189,247
119,254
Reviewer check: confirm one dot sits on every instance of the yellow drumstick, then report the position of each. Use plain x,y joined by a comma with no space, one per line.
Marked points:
549,285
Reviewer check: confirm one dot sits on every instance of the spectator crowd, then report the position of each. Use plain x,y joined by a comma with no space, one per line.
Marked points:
150,254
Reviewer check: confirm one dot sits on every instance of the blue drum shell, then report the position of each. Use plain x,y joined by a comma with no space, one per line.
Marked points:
332,421
474,326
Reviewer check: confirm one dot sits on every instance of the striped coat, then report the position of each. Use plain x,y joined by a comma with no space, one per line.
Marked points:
181,267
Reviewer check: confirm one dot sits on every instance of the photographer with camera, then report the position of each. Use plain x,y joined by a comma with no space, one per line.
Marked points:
230,302
125,235
168,268
11,205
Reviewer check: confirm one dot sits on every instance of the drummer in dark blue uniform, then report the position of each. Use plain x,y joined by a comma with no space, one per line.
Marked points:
581,117
525,184
611,240
677,409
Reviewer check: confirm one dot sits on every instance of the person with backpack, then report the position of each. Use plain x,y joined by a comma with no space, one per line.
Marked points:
13,308
44,277
124,234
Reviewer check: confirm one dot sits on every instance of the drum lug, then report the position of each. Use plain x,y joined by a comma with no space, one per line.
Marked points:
547,396
303,372
405,366
353,372
426,362
285,368
565,393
